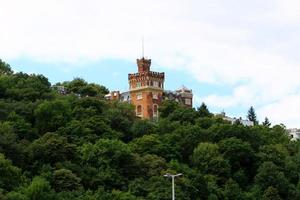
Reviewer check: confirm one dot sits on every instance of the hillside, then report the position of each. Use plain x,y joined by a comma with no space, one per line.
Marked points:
81,147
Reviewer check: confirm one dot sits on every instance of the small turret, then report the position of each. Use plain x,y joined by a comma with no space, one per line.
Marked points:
143,64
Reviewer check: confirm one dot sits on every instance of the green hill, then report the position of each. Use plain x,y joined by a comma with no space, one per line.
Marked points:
79,146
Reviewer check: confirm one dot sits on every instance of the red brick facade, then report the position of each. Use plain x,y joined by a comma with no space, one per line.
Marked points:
146,89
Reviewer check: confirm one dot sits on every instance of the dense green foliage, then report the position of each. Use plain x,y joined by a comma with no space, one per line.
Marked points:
81,87
67,147
252,115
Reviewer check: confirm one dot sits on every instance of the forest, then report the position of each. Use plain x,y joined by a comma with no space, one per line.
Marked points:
79,146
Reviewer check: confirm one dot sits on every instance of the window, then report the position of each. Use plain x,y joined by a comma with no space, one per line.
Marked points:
139,110
155,83
138,84
155,110
139,96
154,96
188,101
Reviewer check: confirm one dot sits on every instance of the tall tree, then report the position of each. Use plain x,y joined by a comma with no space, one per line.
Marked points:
10,175
271,193
167,108
39,189
269,175
203,111
64,179
5,68
266,122
51,148
50,115
252,115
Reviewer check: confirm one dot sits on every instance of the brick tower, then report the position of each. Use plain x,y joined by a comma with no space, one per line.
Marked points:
146,89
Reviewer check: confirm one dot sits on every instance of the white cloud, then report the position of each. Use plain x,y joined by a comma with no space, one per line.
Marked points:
288,10
247,45
240,96
285,110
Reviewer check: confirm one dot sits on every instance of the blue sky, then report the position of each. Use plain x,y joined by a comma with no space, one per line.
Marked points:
113,74
233,53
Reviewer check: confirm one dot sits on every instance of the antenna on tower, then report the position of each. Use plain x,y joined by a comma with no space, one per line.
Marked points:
143,46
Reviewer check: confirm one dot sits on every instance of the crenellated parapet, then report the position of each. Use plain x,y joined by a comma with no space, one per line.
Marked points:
143,64
139,75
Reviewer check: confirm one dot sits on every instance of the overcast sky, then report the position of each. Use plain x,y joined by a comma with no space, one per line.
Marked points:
233,53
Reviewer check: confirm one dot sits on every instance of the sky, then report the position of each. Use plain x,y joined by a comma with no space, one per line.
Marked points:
233,54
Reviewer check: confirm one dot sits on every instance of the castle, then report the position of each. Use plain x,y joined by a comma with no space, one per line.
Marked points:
146,91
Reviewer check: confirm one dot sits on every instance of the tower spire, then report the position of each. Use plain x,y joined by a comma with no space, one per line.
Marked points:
143,46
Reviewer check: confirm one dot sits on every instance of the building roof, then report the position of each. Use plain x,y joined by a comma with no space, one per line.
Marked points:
184,89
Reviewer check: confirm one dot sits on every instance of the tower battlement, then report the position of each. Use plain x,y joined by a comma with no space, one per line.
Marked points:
143,64
160,75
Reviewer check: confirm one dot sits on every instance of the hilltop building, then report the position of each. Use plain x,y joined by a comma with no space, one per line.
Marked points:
183,95
234,120
294,133
146,91
60,89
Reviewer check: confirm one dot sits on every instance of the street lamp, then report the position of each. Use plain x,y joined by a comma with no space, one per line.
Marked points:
173,182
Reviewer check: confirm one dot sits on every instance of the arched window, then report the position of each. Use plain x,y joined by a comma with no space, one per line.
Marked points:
139,110
155,110
139,96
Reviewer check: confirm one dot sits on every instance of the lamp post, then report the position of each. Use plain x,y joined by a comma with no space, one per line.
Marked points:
173,182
